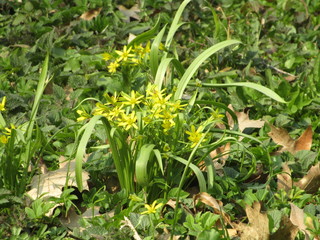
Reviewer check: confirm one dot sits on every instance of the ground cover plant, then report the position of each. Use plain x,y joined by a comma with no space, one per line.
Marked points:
159,119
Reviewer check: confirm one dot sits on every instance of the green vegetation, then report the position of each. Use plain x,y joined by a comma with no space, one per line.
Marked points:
159,119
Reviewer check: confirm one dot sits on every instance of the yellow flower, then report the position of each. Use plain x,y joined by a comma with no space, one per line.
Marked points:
8,130
132,99
162,101
125,54
128,121
3,139
135,198
195,135
167,115
177,106
3,103
113,67
152,208
111,99
153,92
167,125
115,112
215,115
147,119
106,56
136,61
156,112
83,115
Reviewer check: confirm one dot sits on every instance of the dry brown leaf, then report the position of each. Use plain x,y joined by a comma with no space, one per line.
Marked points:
304,142
290,78
89,15
71,221
258,227
284,178
212,202
130,13
281,137
243,120
310,182
51,183
172,204
286,231
297,219
220,156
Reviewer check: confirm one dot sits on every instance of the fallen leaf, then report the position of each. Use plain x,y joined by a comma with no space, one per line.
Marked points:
281,137
290,78
131,37
310,182
89,15
130,13
297,219
51,184
286,231
258,227
71,221
243,120
212,202
304,142
220,155
284,178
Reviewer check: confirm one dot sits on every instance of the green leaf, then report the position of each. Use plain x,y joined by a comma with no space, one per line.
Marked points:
82,147
146,35
197,172
196,64
266,91
162,71
175,23
154,52
145,155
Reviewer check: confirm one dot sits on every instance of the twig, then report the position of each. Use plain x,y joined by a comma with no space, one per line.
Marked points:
281,71
128,223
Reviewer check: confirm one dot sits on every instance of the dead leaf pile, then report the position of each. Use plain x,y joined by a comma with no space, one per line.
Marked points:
258,225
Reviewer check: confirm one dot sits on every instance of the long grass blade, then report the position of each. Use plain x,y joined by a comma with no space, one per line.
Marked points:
154,52
162,71
266,91
196,64
175,23
81,149
197,172
146,35
145,156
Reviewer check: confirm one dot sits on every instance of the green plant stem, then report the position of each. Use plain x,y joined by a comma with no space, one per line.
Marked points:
182,182
25,158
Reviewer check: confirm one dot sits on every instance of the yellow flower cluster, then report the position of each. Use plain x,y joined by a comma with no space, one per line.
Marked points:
155,106
132,55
